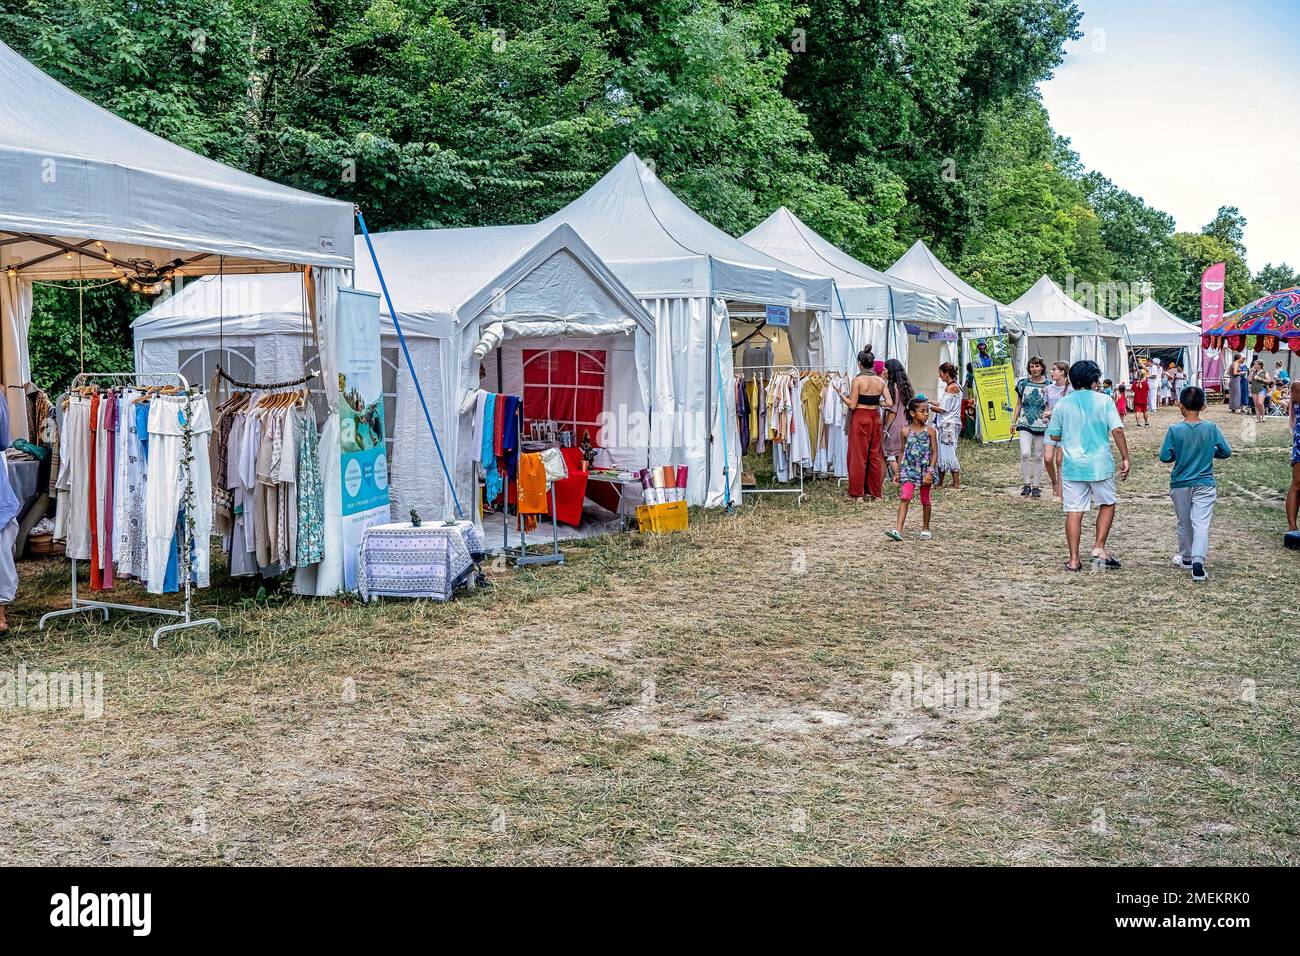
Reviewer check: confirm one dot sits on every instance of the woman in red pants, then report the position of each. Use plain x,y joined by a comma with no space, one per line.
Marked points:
866,435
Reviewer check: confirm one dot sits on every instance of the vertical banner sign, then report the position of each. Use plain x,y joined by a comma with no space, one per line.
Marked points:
1212,280
994,387
361,424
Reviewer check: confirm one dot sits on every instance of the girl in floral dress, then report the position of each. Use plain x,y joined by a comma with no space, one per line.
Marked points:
916,466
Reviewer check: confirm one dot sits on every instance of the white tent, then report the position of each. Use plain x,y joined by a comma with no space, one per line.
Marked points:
684,269
1151,325
461,294
981,314
87,195
870,307
1065,331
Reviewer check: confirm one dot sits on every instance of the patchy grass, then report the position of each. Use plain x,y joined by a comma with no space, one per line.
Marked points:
717,696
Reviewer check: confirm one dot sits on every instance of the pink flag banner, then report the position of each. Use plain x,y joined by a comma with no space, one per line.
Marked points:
1212,280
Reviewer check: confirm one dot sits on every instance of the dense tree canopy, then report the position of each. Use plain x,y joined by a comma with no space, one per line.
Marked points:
877,122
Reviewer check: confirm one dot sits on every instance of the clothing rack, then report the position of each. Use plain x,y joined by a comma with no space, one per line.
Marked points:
187,619
786,367
520,554
267,388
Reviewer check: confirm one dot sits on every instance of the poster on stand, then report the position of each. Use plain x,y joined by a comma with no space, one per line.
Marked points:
994,386
362,457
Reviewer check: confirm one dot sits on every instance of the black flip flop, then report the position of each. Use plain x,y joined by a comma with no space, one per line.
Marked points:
1111,563
1076,570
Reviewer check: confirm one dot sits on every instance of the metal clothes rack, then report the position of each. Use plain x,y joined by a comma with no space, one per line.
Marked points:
187,619
787,367
520,554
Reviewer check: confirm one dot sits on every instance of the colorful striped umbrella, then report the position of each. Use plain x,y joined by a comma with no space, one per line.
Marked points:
1273,318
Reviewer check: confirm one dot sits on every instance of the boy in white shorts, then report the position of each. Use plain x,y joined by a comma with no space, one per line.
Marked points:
1084,422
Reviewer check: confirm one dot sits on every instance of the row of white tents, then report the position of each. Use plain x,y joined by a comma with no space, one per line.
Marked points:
630,270
627,271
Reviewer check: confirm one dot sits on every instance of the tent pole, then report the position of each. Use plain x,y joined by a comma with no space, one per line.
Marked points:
722,417
892,319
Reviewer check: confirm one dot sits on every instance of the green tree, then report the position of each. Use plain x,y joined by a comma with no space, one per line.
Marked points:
1272,278
1033,217
1228,225
903,90
1138,237
1197,252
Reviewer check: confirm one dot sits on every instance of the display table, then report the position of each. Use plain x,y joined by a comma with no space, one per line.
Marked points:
431,561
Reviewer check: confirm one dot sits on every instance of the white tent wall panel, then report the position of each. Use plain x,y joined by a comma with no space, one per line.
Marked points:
687,374
1055,348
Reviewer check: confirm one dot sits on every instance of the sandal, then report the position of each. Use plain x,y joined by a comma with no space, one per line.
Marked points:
1068,568
893,535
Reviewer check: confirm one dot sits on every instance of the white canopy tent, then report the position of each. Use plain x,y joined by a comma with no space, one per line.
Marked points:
981,314
1065,331
870,307
86,195
1151,325
684,270
461,294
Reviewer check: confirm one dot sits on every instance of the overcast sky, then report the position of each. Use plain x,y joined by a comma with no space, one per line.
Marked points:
1191,105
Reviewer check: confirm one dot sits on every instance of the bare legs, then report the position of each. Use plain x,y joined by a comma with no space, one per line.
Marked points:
1074,530
1053,474
1293,499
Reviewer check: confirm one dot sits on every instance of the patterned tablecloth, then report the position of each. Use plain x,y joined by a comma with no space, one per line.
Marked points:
431,561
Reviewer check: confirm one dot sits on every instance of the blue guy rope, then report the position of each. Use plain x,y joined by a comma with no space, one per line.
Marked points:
717,358
361,221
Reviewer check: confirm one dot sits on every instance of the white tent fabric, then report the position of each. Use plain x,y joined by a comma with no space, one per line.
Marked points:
1059,323
981,315
1151,325
71,169
684,269
870,307
661,248
459,294
86,195
980,312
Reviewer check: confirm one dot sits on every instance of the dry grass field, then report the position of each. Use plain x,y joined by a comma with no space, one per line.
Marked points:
721,696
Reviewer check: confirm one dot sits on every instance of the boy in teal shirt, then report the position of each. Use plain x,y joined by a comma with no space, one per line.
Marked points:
1083,422
1192,445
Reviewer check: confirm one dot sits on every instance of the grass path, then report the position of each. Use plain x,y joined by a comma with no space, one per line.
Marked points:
719,696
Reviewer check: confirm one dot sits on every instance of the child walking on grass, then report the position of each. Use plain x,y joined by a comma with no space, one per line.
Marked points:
916,466
1192,445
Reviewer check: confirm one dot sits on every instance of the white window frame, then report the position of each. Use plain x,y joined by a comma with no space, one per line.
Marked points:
604,371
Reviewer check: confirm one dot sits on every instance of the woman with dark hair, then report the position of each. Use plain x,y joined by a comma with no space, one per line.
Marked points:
1259,382
866,437
1236,370
900,394
948,424
1030,417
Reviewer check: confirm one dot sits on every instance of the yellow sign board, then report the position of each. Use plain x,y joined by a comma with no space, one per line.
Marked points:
996,398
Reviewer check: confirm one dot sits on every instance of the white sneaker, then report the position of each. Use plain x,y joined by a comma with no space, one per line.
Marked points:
1199,573
1178,562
